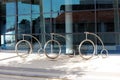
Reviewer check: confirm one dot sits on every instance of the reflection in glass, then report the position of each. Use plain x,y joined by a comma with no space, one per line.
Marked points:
45,16
10,8
24,25
24,8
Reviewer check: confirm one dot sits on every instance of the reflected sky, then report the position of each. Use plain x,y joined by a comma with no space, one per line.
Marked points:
24,10
47,6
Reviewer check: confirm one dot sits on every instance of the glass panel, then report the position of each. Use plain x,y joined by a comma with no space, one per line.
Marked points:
24,23
35,9
24,8
8,41
10,8
10,23
85,18
105,20
105,16
7,32
48,23
46,4
35,23
24,26
37,18
56,5
117,23
42,4
10,31
7,24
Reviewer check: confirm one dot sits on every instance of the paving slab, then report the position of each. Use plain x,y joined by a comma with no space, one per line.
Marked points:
63,67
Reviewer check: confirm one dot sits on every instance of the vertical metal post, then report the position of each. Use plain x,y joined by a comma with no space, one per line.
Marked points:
95,23
42,22
51,27
31,24
116,21
16,25
68,26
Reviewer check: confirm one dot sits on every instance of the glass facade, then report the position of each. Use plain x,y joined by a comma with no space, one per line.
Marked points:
42,17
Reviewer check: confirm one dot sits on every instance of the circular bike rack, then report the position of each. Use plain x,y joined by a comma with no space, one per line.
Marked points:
23,48
80,49
104,53
51,50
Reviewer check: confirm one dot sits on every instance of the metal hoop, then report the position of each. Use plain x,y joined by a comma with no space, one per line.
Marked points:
58,46
103,54
86,40
26,54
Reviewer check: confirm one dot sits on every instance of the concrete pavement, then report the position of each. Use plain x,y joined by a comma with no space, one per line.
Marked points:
63,68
